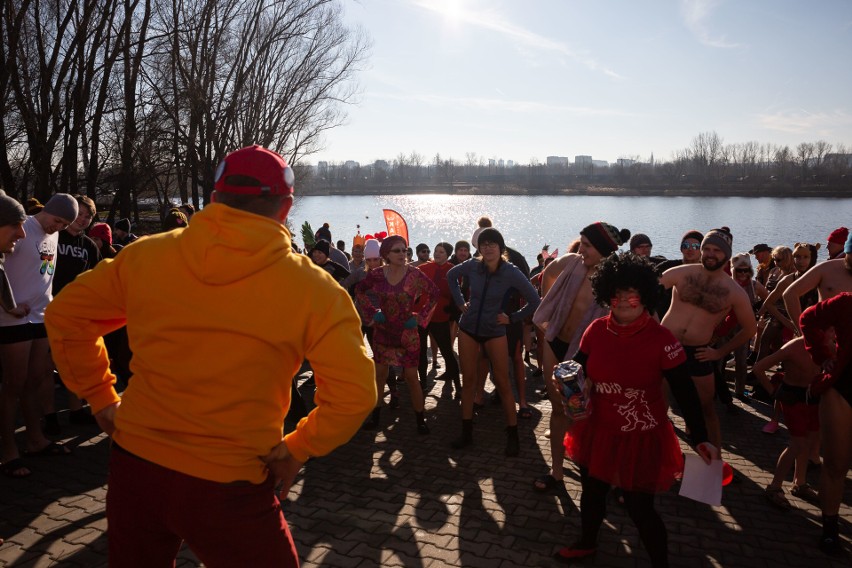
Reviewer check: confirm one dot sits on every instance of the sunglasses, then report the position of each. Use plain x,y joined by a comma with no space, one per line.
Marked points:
631,299
687,246
397,250
742,270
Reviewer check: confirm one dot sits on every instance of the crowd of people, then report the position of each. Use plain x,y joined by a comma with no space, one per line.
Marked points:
710,307
781,320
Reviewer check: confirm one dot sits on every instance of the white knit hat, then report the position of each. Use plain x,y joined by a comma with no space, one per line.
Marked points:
371,249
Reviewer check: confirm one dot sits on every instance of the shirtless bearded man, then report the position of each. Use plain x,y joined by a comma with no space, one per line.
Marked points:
703,295
566,310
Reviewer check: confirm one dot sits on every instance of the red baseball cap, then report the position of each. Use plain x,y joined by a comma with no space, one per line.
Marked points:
254,170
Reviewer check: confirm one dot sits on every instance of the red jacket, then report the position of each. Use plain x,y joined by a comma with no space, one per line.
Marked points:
835,312
437,273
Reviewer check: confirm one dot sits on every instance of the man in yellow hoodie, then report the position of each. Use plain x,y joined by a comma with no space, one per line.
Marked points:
220,316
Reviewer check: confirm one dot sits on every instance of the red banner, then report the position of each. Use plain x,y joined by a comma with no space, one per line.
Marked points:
396,224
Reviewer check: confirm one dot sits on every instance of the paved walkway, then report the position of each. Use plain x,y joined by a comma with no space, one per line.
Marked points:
392,498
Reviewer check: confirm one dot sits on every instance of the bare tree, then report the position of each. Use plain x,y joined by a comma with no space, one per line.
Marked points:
416,161
804,153
821,148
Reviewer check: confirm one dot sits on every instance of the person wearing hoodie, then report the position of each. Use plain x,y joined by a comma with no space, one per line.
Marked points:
197,437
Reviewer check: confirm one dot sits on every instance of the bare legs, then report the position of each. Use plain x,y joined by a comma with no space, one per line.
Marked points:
25,366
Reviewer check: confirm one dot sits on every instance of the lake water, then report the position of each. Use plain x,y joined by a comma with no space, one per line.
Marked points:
528,222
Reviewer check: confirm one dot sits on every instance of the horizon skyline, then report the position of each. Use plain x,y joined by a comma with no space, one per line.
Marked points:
610,80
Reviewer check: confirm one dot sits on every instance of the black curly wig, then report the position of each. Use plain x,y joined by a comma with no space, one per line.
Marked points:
624,271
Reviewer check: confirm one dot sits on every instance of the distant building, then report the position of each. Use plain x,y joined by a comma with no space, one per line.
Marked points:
625,162
322,168
600,163
582,160
501,163
557,160
841,159
351,165
510,164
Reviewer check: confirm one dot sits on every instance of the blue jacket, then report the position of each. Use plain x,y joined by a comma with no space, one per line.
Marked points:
489,294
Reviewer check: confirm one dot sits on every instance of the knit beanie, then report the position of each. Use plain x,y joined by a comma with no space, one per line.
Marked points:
323,246
693,234
11,212
639,239
63,206
389,243
491,235
605,237
462,244
174,219
123,225
324,232
839,235
474,240
720,238
371,249
101,231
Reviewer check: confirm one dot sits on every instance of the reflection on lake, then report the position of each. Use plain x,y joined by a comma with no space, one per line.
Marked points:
527,222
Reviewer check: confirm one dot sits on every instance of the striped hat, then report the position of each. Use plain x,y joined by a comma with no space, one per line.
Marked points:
605,237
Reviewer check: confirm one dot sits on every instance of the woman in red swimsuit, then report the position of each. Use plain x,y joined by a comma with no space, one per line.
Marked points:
628,441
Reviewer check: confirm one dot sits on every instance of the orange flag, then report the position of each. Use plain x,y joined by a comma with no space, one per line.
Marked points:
396,224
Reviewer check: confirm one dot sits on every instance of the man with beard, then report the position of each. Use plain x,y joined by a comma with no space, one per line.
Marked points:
830,278
702,297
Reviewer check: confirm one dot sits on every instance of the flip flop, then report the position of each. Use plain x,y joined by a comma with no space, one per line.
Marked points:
10,468
547,483
53,449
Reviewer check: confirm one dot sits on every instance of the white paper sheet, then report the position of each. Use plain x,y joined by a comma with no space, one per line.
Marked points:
702,482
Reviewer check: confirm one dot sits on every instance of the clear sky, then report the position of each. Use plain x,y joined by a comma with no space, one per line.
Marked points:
517,79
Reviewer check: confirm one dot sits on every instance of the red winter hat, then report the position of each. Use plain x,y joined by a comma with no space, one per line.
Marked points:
101,231
839,236
254,170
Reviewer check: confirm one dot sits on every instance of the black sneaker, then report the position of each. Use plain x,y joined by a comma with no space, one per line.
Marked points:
831,546
423,429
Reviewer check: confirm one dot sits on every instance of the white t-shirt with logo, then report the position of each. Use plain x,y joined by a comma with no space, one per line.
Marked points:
30,269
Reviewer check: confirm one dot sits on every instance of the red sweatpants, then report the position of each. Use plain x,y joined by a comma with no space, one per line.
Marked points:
152,509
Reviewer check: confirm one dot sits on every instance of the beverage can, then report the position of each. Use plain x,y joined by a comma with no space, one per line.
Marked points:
571,378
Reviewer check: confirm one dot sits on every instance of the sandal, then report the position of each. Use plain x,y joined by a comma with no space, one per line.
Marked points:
53,449
805,492
12,469
547,483
525,412
776,498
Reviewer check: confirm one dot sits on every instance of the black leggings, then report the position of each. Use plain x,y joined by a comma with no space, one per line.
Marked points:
441,332
640,507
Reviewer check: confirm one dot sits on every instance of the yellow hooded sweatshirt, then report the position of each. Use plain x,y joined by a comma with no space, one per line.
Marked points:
220,316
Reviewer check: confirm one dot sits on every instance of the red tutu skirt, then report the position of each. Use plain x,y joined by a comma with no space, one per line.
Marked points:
634,461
